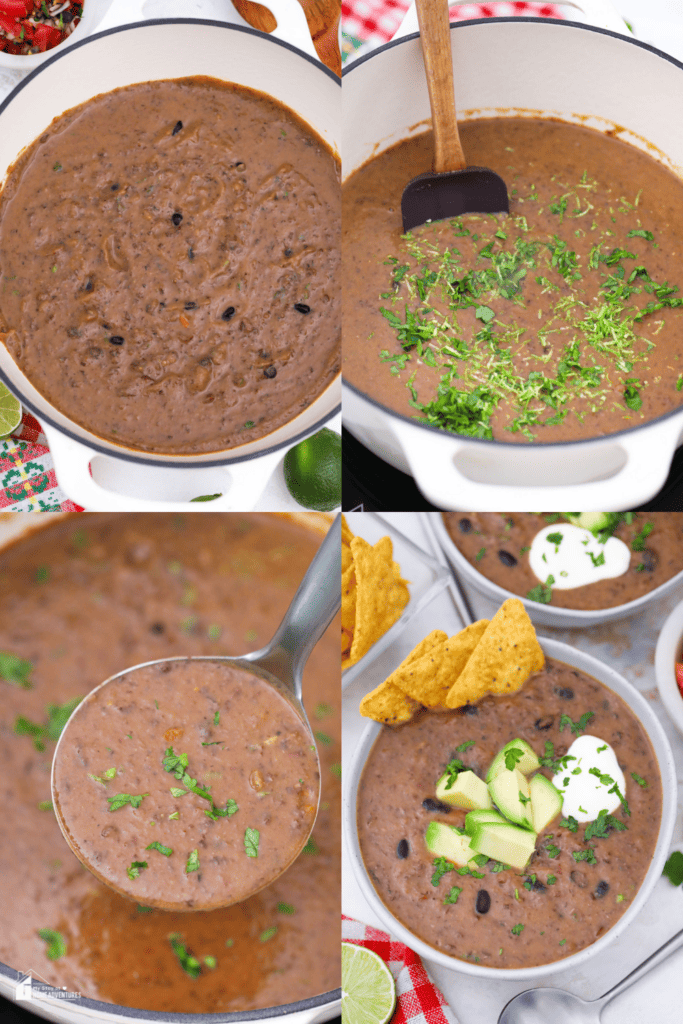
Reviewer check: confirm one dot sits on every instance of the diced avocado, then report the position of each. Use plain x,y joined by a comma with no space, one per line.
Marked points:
445,841
546,802
526,764
476,818
592,521
510,793
506,843
467,790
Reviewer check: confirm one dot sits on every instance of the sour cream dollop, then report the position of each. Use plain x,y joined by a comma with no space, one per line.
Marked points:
574,557
583,793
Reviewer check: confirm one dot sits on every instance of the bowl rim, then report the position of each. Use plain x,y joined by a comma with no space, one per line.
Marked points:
130,454
586,616
485,441
669,646
587,663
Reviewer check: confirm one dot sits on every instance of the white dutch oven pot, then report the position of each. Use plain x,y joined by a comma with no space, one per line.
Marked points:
520,67
315,1010
94,472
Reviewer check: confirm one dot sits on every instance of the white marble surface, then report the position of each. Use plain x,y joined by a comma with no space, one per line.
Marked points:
629,646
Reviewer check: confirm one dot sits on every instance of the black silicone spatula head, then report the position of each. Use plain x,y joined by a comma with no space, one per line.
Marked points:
452,188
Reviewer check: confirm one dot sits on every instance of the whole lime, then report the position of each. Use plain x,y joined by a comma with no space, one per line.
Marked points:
313,471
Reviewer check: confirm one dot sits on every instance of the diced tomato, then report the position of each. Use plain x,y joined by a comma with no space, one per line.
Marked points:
46,37
9,27
16,8
679,676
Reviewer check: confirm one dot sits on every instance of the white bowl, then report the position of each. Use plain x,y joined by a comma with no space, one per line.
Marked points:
668,652
613,681
541,614
93,13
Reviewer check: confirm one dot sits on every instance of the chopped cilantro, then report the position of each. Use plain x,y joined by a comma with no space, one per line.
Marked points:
542,593
570,823
135,868
464,746
602,826
15,671
323,738
251,841
268,934
285,908
453,769
587,855
550,880
311,847
216,718
210,961
189,963
56,944
512,758
122,799
638,542
453,894
517,929
639,779
165,850
441,867
192,862
480,554
576,727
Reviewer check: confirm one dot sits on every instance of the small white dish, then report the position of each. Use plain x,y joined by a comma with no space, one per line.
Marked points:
425,576
668,652
637,703
540,614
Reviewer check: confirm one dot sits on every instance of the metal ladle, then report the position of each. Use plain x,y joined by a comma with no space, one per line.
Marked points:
280,664
553,1006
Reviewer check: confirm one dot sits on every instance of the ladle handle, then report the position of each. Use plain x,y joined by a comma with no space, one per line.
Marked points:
315,603
674,943
435,35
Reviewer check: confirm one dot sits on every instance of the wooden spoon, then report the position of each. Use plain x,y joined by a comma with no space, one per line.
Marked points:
452,188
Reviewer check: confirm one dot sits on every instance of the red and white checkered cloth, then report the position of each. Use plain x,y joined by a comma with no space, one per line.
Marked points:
419,1001
376,21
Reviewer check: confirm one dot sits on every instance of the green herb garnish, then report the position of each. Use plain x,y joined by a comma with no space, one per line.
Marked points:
453,894
122,799
251,841
136,867
56,943
192,862
165,850
189,963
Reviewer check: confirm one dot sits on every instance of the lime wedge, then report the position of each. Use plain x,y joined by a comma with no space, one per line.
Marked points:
368,990
10,411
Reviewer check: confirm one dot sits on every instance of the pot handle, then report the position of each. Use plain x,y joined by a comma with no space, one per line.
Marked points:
600,13
432,461
240,484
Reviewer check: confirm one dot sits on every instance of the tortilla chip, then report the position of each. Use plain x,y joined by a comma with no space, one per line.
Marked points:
380,597
347,557
507,654
430,672
346,534
388,704
348,600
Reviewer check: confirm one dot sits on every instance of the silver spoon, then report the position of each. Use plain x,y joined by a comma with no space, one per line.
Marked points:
279,664
553,1006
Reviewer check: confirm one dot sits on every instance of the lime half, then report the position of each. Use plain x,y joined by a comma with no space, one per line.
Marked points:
313,471
368,990
10,411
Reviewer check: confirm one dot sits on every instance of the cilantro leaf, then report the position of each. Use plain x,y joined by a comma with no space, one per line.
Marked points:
15,671
192,862
121,799
165,850
136,867
441,867
673,869
189,963
56,944
251,841
576,727
453,894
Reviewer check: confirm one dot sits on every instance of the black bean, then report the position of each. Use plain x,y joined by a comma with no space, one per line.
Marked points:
157,627
565,692
240,166
544,723
403,849
116,339
263,354
288,253
601,889
483,904
578,878
465,525
537,885
507,559
190,256
115,187
270,372
468,709
435,806
228,313
649,560
67,17
301,307
88,286
178,127
206,361
177,219
190,305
